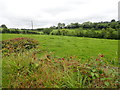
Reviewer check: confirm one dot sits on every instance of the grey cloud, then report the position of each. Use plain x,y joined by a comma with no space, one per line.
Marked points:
25,22
56,11
93,18
68,5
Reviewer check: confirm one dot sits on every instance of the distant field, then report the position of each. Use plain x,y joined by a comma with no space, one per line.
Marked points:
82,48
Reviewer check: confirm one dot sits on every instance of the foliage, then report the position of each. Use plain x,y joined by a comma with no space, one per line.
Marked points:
47,31
106,30
3,26
61,25
109,33
18,31
18,45
63,32
28,70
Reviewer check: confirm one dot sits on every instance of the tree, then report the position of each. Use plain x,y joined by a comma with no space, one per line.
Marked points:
53,27
61,25
73,25
87,24
47,31
113,20
3,26
63,32
5,30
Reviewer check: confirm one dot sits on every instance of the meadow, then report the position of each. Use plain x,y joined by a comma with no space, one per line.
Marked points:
81,47
53,54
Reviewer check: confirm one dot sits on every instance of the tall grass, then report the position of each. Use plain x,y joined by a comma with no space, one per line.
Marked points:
27,70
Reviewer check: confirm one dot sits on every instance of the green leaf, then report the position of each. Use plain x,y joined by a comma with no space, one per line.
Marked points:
93,70
36,64
105,78
101,72
97,75
92,74
102,78
93,77
107,83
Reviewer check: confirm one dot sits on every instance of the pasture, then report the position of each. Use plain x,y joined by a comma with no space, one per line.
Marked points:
81,47
83,50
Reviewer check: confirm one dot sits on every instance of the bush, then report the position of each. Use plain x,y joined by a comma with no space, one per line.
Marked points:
54,32
47,31
18,44
5,30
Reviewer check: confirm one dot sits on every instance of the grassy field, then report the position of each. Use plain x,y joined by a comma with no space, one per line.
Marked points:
83,50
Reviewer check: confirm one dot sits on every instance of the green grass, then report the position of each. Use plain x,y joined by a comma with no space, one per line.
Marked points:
62,62
81,47
24,71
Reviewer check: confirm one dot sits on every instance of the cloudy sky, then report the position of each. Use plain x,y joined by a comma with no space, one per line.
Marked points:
45,13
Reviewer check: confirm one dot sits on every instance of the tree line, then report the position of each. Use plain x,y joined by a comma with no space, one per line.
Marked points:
108,30
89,25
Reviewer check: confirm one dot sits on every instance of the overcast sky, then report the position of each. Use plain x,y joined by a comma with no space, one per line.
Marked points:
45,13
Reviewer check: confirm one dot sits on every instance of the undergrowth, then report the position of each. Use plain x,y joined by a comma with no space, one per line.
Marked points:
35,68
26,70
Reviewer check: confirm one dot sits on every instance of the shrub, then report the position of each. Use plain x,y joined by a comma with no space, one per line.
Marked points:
47,31
18,45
